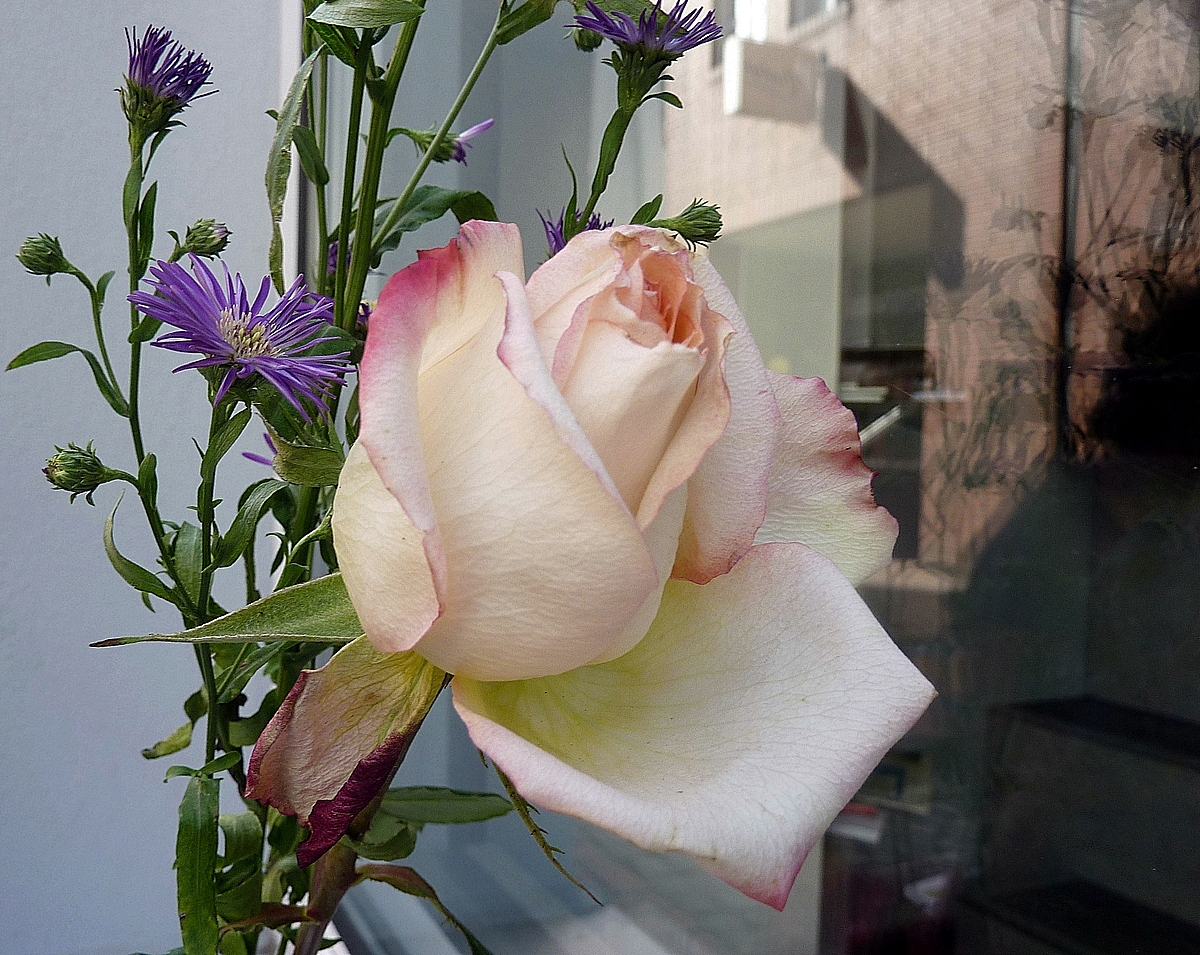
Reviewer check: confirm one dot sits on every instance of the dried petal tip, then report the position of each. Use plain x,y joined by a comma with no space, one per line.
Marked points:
164,77
42,255
463,139
78,471
243,339
669,35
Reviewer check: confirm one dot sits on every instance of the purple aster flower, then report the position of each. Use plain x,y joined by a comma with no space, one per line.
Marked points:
331,258
262,458
555,231
669,34
463,140
217,320
164,77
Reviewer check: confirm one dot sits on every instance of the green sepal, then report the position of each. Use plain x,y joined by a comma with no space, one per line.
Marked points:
365,14
309,152
409,882
195,861
341,42
667,97
47,351
222,441
647,211
131,192
437,804
241,532
195,706
524,18
279,162
318,611
133,574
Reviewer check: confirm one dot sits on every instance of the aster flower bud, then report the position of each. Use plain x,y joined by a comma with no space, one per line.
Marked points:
78,471
698,224
453,147
586,40
206,238
42,255
163,78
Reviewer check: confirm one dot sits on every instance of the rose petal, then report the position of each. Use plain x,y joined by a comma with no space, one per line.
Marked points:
545,565
338,737
727,495
734,732
820,490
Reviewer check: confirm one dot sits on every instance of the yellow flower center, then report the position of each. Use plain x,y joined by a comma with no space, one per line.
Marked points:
246,340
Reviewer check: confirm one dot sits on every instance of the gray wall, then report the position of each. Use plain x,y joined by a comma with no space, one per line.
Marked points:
87,826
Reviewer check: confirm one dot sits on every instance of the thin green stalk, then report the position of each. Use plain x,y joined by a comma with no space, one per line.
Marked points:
377,141
99,328
397,208
204,658
135,353
322,123
348,176
298,565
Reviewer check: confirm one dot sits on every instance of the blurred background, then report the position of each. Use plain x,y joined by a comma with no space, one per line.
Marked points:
977,221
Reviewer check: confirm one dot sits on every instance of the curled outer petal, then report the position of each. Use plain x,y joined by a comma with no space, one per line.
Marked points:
820,490
733,732
338,737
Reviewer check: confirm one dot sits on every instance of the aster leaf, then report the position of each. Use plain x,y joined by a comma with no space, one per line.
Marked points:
310,155
133,574
233,684
524,18
409,882
308,467
245,732
195,860
427,204
102,285
148,478
440,805
318,611
241,532
146,329
365,14
146,226
222,441
131,192
647,211
47,351
667,97
195,706
340,40
474,205
188,562
279,162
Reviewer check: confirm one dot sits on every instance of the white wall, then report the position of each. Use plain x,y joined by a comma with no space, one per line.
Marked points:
86,825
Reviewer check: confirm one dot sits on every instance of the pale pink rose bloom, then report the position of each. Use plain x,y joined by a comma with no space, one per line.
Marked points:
633,545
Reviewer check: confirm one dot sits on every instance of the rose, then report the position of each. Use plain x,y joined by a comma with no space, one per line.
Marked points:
633,545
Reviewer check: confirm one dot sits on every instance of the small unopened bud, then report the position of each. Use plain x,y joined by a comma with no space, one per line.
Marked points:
586,40
699,223
78,471
206,238
42,255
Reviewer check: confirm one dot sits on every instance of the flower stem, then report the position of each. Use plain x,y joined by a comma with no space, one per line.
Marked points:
614,138
136,177
397,208
361,66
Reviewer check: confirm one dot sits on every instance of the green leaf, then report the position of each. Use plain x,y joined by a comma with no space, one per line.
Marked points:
133,574
188,552
318,611
525,811
240,884
146,329
474,205
47,351
247,731
365,14
179,740
243,836
426,204
437,804
279,161
195,860
102,285
520,20
308,467
211,768
341,42
241,531
409,882
148,477
131,193
310,155
222,441
387,839
146,224
248,667
647,212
